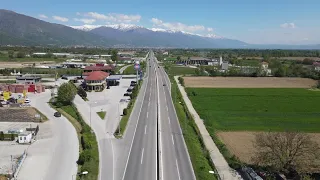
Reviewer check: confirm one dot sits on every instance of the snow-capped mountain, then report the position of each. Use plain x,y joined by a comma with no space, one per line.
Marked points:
128,27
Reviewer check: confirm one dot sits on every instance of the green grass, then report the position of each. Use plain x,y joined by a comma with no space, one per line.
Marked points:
176,70
102,114
257,109
30,59
130,70
199,155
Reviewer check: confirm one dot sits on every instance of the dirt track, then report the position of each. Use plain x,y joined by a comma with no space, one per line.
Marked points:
241,144
248,82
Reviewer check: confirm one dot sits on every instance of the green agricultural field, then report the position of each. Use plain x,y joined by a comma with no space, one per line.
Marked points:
257,109
176,70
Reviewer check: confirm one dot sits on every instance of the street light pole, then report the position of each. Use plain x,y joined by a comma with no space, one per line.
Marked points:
119,118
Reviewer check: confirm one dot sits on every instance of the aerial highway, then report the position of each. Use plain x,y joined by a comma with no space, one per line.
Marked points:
157,150
142,160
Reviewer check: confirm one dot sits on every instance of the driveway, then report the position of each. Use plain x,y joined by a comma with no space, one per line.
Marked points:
54,155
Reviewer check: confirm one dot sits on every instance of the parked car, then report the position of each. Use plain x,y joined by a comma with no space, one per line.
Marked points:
64,77
57,114
133,82
127,93
164,84
129,90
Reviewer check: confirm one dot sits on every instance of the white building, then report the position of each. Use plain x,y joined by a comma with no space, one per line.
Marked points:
24,138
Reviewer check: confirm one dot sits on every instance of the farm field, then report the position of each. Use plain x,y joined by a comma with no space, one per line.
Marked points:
241,144
182,70
245,109
248,82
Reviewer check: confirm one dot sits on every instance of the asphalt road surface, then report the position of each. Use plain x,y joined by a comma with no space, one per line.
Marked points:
175,158
142,160
174,162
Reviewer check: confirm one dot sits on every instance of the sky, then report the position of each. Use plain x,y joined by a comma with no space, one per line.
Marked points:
251,21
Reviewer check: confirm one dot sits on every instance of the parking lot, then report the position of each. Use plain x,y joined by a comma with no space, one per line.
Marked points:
10,151
112,101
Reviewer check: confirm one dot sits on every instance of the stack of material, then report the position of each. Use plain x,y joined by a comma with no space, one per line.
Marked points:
39,88
20,88
12,88
4,87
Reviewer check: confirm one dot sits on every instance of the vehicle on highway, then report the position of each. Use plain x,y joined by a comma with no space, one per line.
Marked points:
158,67
164,84
57,114
133,82
129,90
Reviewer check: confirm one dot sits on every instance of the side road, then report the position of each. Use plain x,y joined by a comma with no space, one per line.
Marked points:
217,158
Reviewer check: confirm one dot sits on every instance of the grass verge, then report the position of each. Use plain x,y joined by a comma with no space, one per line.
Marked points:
199,155
89,154
102,114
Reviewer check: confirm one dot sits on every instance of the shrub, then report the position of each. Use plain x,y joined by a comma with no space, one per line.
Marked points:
125,111
12,137
181,81
84,157
1,136
81,92
86,141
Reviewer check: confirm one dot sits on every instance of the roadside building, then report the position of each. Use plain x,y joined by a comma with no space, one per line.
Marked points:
96,80
24,138
28,79
265,69
88,69
316,66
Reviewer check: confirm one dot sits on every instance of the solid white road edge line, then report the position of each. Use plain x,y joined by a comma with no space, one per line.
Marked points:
178,169
147,114
134,134
142,155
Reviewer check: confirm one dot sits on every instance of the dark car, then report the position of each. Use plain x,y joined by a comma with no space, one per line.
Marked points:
57,114
127,94
164,84
133,82
64,77
158,67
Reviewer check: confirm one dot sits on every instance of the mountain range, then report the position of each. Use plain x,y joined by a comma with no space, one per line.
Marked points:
19,29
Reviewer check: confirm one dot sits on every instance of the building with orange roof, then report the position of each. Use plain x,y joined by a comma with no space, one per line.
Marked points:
96,80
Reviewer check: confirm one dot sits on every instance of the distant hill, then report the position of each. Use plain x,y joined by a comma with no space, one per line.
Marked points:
18,29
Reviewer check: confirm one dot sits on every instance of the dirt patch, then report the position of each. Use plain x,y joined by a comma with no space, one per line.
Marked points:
241,144
19,115
24,64
248,82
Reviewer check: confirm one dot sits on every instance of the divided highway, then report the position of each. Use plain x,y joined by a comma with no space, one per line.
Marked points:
170,155
142,160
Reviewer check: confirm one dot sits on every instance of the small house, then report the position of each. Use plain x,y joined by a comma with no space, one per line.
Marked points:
24,138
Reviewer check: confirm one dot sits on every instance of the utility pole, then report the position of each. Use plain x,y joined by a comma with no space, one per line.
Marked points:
119,119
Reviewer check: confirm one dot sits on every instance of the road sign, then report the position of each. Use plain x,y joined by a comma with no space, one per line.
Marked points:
136,67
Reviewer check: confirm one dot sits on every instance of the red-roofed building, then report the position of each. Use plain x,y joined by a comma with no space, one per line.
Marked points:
109,69
96,80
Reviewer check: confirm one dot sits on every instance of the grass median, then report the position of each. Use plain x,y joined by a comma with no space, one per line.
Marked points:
102,114
199,155
89,154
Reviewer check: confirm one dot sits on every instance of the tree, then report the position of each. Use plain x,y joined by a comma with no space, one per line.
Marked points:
66,93
114,55
81,92
1,136
10,54
280,72
286,151
178,58
21,54
307,61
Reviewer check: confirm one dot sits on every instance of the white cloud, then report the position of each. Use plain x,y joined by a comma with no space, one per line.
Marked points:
59,18
288,25
121,18
78,14
209,29
179,26
43,16
86,21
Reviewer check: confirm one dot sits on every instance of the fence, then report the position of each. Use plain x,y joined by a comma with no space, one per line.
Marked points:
16,167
